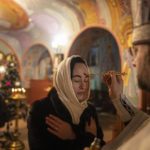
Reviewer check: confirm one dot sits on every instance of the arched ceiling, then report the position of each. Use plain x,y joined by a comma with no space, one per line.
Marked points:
65,18
50,18
89,38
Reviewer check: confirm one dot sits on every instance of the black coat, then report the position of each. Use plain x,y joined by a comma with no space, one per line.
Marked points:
41,139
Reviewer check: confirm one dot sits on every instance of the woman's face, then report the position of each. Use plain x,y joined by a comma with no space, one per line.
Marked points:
80,81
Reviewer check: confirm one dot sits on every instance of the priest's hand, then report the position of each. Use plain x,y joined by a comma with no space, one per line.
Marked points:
114,83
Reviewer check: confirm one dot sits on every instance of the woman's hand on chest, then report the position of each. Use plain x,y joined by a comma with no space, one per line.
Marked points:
60,128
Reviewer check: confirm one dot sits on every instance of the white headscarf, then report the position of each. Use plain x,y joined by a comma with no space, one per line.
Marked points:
63,85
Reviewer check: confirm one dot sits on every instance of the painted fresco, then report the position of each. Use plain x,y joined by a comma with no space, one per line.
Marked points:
39,64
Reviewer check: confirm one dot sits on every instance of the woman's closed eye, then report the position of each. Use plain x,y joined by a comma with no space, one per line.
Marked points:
79,80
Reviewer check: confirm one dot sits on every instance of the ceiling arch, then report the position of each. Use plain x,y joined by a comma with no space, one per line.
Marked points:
39,63
102,42
51,18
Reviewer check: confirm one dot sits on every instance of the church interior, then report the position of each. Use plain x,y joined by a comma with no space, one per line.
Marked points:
36,35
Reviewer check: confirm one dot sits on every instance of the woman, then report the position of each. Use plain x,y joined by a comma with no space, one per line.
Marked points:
65,119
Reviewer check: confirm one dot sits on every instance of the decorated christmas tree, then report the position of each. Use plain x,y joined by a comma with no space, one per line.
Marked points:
11,77
11,89
12,96
10,80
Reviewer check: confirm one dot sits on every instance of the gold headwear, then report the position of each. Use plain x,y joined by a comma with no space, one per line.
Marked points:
141,21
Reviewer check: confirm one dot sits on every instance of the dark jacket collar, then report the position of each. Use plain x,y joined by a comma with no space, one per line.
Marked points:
60,109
